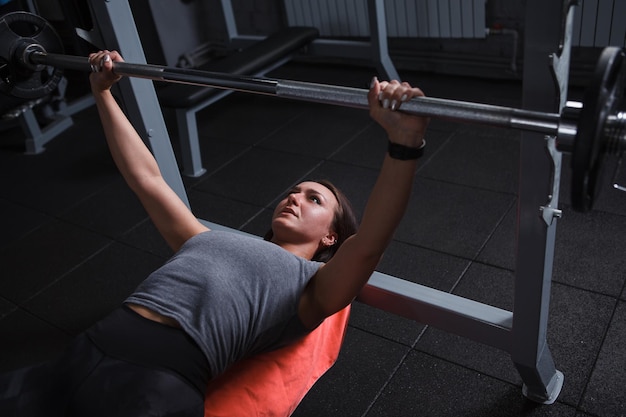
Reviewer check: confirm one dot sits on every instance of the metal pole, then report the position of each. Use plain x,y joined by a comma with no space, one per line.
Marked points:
460,111
538,195
114,26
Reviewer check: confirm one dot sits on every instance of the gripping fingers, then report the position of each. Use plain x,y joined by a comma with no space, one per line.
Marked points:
103,60
97,65
393,94
97,61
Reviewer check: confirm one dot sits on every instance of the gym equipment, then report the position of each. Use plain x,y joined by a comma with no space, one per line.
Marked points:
588,130
594,137
27,81
44,92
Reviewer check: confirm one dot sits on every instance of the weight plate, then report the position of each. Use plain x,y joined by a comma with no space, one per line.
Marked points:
600,100
18,78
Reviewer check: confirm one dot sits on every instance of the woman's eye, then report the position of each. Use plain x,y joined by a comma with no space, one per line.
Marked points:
316,200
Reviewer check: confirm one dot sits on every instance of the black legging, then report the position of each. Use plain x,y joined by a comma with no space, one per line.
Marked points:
135,368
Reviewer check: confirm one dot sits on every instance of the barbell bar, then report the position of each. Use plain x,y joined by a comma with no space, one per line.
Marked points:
496,116
31,64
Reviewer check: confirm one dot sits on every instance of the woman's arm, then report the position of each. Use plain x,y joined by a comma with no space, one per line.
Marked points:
339,281
171,216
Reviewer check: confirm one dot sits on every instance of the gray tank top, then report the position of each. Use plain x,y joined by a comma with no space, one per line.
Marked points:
235,295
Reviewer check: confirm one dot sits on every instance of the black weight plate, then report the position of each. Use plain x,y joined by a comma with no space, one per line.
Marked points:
599,101
18,78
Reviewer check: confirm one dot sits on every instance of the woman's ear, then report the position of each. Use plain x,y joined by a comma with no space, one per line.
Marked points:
330,239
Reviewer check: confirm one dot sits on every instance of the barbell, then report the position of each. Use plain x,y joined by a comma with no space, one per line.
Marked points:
32,63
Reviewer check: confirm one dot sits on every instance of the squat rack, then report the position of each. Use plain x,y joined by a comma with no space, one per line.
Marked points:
522,334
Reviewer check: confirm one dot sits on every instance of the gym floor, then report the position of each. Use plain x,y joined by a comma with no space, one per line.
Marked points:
75,242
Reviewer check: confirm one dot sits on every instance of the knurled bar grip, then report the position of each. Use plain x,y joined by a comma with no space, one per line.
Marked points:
426,106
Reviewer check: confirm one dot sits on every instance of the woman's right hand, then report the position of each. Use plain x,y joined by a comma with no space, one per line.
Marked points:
103,77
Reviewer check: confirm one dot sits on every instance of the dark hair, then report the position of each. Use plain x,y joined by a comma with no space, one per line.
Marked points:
345,223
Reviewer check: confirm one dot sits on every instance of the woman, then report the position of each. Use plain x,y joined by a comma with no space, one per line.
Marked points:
224,296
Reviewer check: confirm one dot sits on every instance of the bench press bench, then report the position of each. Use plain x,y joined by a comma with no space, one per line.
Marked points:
255,60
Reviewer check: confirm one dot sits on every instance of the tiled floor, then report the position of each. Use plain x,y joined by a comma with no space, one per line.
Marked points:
75,242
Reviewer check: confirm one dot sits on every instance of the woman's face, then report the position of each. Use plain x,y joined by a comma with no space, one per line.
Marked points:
306,215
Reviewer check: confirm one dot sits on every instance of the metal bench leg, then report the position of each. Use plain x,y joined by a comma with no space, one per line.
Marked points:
191,156
36,137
